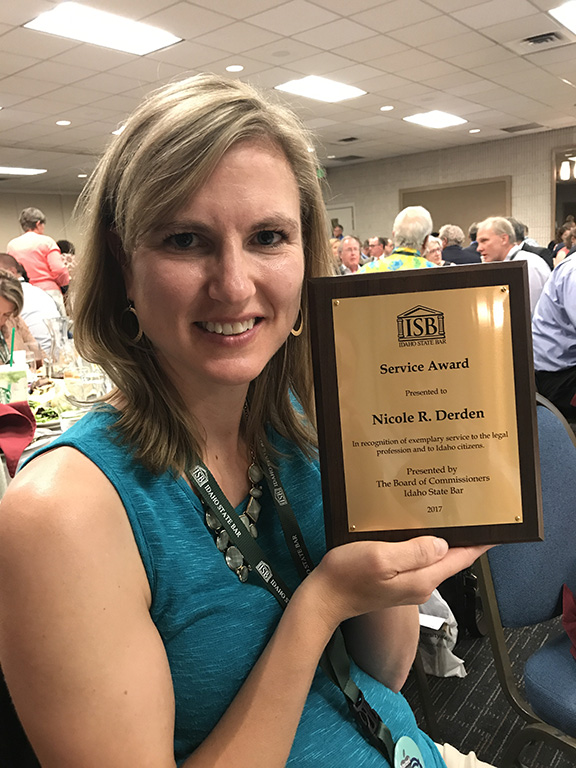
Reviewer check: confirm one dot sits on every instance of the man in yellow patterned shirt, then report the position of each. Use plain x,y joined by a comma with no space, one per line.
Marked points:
410,233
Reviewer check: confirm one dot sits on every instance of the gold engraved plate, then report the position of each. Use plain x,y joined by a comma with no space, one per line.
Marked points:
426,393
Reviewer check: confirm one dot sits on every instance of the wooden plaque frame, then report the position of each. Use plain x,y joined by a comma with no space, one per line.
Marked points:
326,293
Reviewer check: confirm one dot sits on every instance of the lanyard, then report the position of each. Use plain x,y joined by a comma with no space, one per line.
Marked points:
335,661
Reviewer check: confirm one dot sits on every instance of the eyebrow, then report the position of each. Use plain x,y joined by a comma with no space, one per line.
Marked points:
273,220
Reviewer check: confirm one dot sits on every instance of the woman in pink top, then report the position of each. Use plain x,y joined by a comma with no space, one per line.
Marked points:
40,256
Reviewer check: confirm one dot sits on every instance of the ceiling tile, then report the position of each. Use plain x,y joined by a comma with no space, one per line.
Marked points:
251,67
239,37
282,52
188,21
431,31
132,9
394,15
449,6
30,86
95,57
189,55
71,94
109,83
293,17
22,40
475,59
429,71
406,60
147,70
24,11
343,6
554,55
512,31
354,74
494,12
12,63
320,64
374,51
244,9
62,74
335,34
384,83
456,46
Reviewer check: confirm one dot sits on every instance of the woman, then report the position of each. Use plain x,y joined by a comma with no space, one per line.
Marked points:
433,252
126,636
11,303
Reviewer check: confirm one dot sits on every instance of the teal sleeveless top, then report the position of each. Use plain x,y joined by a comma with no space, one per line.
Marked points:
213,627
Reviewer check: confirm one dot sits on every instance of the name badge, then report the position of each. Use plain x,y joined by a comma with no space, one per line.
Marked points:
407,754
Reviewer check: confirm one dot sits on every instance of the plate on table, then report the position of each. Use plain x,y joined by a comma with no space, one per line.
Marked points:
48,424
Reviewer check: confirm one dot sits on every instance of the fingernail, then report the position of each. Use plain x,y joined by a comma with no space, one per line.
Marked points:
441,546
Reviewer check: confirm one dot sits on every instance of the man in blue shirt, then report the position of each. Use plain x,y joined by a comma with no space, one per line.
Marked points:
554,336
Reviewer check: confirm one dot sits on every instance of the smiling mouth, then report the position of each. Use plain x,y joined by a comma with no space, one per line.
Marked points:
229,329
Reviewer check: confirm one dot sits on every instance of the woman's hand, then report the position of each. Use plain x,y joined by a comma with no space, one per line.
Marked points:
368,576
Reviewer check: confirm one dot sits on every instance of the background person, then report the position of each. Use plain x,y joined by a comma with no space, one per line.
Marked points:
40,256
11,302
38,305
497,242
434,253
205,217
411,230
349,254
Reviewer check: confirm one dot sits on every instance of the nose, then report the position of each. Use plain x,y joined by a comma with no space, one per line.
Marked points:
233,277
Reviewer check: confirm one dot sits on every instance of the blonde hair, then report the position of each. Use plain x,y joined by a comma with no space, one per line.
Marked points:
168,149
11,290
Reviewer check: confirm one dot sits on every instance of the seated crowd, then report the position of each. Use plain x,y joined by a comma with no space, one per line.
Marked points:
551,279
34,279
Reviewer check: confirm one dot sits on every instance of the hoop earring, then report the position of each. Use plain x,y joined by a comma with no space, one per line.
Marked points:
130,308
297,331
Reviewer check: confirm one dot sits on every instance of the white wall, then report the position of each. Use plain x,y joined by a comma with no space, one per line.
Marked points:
56,208
374,187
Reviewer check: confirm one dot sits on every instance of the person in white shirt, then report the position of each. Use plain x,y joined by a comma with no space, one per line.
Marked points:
497,242
38,304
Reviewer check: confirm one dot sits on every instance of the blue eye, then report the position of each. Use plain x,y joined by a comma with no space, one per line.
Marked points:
268,237
182,240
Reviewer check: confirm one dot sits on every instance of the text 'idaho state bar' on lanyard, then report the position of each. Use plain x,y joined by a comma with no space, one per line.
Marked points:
335,661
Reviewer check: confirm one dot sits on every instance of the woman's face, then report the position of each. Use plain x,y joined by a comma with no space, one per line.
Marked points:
7,310
434,252
217,289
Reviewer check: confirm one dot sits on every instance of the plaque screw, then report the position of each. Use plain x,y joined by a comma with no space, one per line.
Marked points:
352,527
504,289
336,303
517,518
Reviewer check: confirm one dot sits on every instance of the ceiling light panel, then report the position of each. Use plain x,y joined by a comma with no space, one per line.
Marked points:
435,119
566,15
89,25
8,170
321,89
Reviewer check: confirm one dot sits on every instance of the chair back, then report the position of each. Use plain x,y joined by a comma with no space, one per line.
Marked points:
528,578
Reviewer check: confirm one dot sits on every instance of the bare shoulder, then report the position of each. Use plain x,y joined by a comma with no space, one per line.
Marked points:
60,508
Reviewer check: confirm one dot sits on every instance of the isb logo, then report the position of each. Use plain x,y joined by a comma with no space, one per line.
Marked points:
420,326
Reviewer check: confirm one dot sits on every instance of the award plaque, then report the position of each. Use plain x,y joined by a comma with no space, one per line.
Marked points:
426,405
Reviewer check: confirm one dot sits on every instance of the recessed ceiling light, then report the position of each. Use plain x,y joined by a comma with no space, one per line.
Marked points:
565,14
331,157
234,68
13,171
321,89
474,130
118,131
387,108
435,119
63,122
82,175
310,149
89,25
